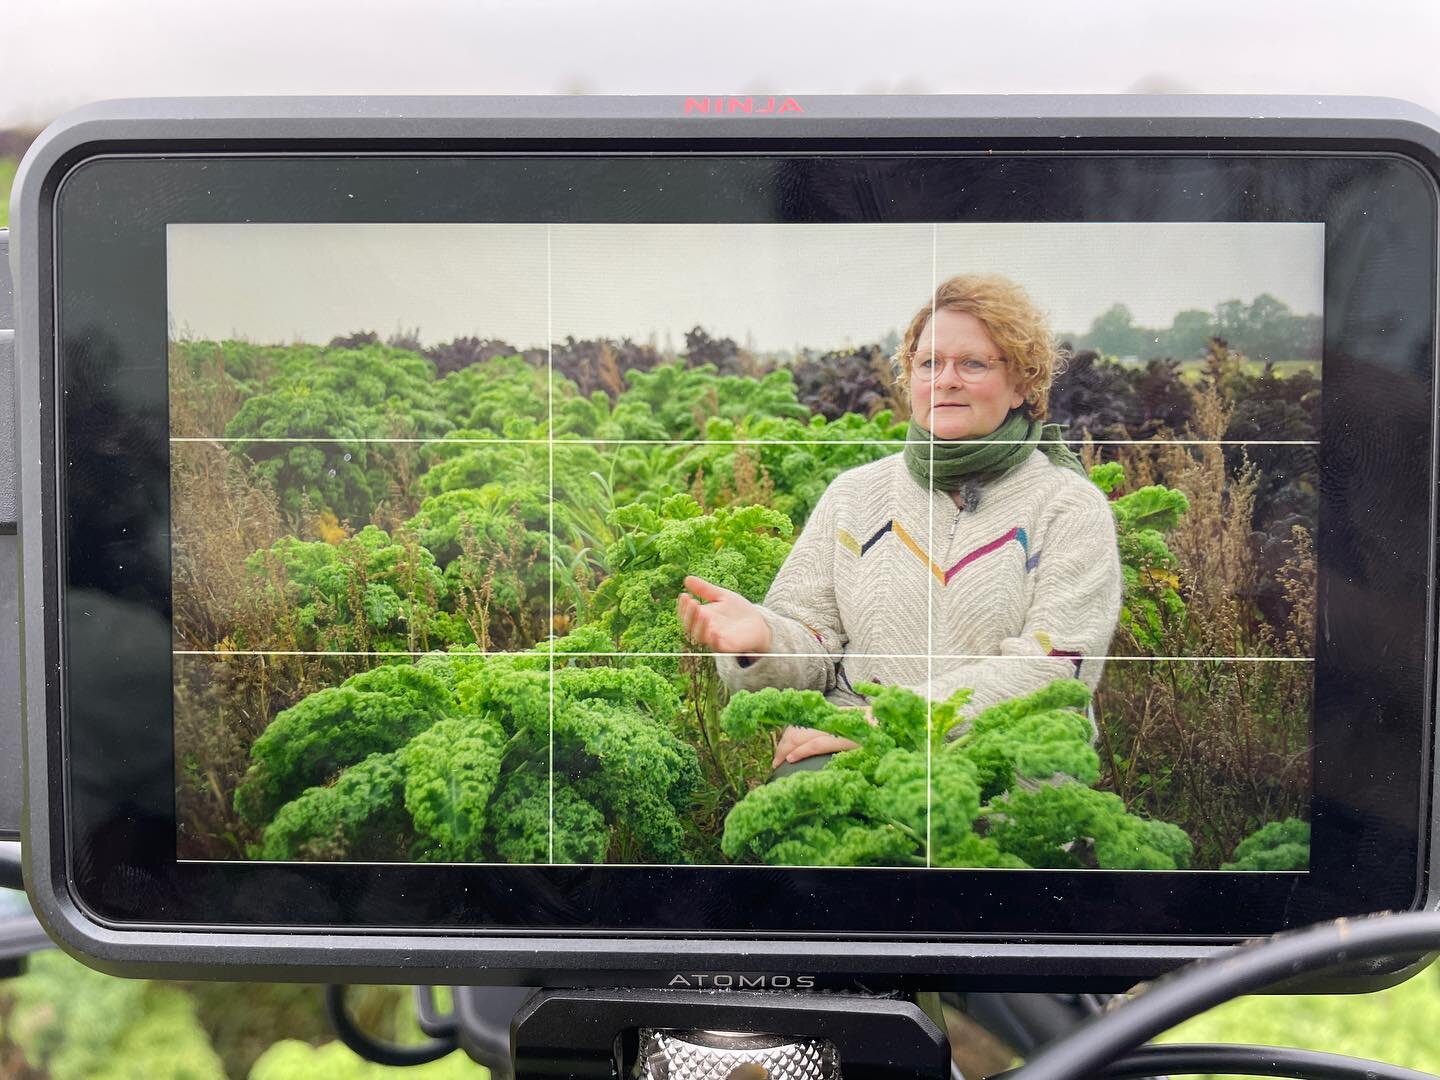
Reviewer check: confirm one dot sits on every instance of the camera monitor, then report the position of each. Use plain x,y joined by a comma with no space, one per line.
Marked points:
855,538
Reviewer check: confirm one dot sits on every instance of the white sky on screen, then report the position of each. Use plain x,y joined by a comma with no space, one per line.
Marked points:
814,285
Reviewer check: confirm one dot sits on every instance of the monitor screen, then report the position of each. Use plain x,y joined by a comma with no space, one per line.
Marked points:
945,544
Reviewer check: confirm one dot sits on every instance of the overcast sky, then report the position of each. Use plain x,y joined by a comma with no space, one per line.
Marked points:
815,285
61,53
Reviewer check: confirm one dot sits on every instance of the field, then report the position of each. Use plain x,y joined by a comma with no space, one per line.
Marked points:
1194,370
7,177
374,590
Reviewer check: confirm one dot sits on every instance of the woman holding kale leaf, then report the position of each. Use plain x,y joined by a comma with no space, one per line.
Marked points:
985,527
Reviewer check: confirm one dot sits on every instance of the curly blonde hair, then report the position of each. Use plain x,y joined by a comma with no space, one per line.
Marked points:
1018,327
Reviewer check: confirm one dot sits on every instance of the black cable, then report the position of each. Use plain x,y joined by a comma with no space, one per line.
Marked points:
10,876
377,1050
1185,1059
432,1021
1243,970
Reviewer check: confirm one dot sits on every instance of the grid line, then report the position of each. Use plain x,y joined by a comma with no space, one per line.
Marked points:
930,542
1004,657
279,440
550,626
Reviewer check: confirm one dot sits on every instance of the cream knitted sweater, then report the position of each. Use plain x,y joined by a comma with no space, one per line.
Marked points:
1021,590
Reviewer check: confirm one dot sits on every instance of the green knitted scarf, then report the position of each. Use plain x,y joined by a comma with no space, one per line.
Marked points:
986,457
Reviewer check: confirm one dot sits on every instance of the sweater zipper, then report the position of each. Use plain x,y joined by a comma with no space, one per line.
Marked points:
954,524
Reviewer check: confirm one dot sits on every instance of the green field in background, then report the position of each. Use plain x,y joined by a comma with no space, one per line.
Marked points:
7,177
1400,1025
1192,369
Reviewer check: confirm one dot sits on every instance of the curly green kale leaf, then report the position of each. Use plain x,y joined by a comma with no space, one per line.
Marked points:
844,843
522,821
903,715
631,766
607,730
1109,477
738,548
1051,825
1153,509
450,774
773,709
1151,572
360,816
770,814
377,711
1278,845
968,850
513,689
1031,737
637,688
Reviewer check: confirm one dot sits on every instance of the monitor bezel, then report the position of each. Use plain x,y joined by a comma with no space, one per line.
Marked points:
182,901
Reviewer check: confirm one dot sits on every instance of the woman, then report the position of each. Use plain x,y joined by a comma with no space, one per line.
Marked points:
980,556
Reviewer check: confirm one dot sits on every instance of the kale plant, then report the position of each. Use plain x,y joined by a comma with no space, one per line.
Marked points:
450,759
1152,599
786,463
738,548
1279,845
370,592
1010,788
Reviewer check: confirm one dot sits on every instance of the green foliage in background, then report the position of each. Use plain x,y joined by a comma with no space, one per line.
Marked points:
683,399
1400,1025
785,463
737,548
1152,599
7,178
63,1020
295,1060
76,1024
369,592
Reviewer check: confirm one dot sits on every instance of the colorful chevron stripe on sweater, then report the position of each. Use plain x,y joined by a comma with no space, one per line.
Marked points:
1017,534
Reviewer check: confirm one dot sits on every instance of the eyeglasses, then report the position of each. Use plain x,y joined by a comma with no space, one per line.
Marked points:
970,369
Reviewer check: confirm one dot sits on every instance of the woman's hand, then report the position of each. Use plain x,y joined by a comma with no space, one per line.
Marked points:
798,743
725,623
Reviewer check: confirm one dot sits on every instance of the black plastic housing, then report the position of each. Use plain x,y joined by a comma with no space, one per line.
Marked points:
295,126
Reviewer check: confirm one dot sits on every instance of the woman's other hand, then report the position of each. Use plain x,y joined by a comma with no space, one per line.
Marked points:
725,623
798,743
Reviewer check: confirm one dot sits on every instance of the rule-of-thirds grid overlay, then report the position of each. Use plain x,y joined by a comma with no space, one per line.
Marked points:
551,443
